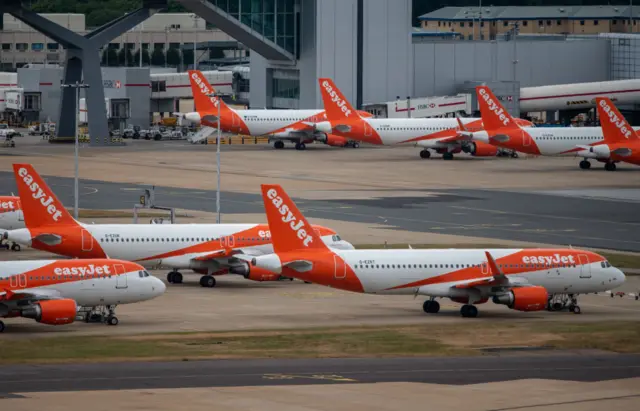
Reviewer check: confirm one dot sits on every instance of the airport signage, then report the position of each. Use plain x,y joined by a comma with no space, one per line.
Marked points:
111,84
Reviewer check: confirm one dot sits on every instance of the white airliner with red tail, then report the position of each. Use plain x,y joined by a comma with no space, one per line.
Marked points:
438,134
503,131
521,279
297,126
11,216
57,292
208,249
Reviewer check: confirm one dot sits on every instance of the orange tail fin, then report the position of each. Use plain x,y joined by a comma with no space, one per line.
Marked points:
290,231
202,90
335,104
494,115
39,205
614,126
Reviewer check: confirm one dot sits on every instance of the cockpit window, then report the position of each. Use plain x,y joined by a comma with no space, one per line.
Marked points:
338,238
607,264
146,274
602,264
140,274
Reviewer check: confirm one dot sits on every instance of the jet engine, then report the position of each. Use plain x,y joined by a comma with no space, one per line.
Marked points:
524,298
479,149
254,273
333,140
52,312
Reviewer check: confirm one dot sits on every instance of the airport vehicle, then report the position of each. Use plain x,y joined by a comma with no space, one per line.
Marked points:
297,126
6,132
208,249
132,132
438,134
502,130
42,129
621,143
521,279
10,218
55,292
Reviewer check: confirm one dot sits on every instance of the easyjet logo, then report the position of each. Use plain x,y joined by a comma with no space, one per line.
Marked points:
204,89
7,205
495,107
620,123
288,217
336,99
39,194
90,269
549,259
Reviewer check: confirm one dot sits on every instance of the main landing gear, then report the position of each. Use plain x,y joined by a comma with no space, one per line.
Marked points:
174,277
431,306
12,246
559,302
279,144
2,327
300,146
208,281
447,156
102,314
610,166
585,165
469,311
425,153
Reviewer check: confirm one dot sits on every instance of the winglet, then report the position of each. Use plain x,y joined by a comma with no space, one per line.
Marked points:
495,270
336,105
615,127
290,230
494,115
40,206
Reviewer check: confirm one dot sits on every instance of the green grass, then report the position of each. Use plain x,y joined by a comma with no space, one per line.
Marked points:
618,260
443,340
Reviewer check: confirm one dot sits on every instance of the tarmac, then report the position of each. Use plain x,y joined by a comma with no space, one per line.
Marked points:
370,195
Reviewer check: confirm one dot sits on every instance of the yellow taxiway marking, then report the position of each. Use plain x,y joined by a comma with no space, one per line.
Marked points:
329,377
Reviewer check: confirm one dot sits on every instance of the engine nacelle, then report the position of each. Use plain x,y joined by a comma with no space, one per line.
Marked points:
479,149
335,141
254,273
52,312
524,298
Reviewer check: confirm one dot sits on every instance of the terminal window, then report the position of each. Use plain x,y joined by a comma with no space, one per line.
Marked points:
53,46
22,46
286,88
6,46
37,46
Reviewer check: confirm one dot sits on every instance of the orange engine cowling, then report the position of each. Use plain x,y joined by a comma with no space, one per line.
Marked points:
524,299
52,312
335,141
480,149
254,273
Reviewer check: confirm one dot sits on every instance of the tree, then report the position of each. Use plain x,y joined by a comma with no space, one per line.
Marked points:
173,57
145,58
121,57
157,57
130,61
109,57
187,57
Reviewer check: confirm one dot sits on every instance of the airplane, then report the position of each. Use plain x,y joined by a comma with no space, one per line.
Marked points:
621,143
10,218
207,249
502,130
521,279
280,125
57,292
438,134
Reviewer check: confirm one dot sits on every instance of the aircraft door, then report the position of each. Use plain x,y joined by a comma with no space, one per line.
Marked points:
121,277
367,129
340,268
18,281
585,267
526,139
87,241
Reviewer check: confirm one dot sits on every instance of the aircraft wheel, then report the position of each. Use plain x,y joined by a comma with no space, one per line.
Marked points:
177,278
514,154
356,145
575,309
279,144
469,311
170,277
300,146
557,306
2,327
610,166
15,247
431,307
425,153
112,320
447,156
585,165
208,281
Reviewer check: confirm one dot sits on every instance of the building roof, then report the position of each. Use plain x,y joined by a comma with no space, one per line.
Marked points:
531,13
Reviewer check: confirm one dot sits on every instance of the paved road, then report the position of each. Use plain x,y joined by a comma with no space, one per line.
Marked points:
226,373
556,218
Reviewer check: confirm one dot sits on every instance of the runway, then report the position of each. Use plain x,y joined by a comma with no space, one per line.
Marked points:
587,367
562,218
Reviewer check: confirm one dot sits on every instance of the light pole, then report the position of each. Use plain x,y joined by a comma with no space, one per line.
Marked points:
77,86
515,50
195,40
217,97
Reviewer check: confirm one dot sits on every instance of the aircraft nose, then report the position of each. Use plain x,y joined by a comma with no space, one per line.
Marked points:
157,287
620,277
192,116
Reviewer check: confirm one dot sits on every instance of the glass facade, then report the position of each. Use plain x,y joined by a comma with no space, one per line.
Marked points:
285,88
274,19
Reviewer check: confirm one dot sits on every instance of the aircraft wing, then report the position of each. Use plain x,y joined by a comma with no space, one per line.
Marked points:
496,279
29,294
300,266
622,151
226,253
